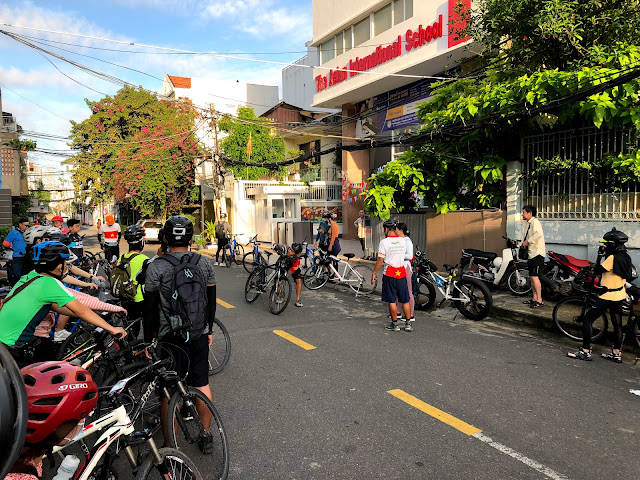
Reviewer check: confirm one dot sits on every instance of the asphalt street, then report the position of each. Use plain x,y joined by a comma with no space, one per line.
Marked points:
324,391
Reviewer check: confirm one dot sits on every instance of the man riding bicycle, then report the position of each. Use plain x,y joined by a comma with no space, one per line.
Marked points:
109,236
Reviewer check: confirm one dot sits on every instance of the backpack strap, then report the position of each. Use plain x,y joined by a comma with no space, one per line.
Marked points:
171,259
19,289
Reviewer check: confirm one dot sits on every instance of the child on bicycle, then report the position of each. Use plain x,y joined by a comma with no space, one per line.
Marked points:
616,269
59,396
293,265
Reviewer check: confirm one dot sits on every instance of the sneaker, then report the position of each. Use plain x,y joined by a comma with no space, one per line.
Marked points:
399,316
298,303
580,355
614,357
205,444
392,326
408,327
215,264
61,335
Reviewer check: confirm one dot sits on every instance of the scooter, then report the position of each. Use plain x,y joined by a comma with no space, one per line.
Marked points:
561,271
496,270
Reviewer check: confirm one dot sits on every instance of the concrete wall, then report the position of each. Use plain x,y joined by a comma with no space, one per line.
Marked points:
262,97
579,238
356,164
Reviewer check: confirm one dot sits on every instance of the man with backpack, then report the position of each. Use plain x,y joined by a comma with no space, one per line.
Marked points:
180,306
123,276
223,232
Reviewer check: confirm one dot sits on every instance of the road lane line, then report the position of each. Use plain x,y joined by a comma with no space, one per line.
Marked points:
475,433
292,339
435,413
520,457
224,304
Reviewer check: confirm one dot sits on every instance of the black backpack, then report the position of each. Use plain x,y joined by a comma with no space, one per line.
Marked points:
122,285
189,295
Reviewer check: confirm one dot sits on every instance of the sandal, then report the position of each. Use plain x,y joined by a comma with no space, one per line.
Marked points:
536,305
614,357
528,302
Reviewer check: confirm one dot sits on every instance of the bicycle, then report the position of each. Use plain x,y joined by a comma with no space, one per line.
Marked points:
141,379
254,257
358,277
471,297
119,434
568,315
274,277
232,252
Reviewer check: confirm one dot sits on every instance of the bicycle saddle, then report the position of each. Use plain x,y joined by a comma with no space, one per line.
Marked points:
450,267
349,255
479,253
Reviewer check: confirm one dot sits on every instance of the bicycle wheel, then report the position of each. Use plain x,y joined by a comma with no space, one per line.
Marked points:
568,314
220,348
183,414
175,465
228,256
426,295
253,287
363,273
315,277
518,282
238,253
480,300
74,345
280,295
249,261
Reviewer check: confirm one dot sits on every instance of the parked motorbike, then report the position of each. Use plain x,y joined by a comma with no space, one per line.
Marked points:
498,270
560,272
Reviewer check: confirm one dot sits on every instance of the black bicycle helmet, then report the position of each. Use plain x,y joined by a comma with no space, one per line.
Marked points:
616,236
178,231
296,247
390,224
134,234
55,235
46,252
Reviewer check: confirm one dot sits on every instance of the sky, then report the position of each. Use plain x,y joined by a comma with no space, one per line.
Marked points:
44,97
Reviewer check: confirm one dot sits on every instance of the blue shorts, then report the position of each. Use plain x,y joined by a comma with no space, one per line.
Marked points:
395,289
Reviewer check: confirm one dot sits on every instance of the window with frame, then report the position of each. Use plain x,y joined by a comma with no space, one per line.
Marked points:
327,50
339,44
402,10
382,20
361,32
347,39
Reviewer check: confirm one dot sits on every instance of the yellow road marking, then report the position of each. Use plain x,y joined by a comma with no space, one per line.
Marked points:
224,304
292,339
435,413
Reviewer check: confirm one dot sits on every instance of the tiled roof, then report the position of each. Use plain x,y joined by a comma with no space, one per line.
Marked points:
180,82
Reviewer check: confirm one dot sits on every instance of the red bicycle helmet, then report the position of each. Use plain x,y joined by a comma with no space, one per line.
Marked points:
57,392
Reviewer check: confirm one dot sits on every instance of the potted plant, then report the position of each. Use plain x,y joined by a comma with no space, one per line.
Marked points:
209,231
200,243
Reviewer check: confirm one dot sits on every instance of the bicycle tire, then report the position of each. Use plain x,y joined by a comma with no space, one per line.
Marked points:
426,296
249,261
474,309
522,287
238,253
217,359
364,273
315,277
185,440
227,253
277,301
568,314
252,289
174,461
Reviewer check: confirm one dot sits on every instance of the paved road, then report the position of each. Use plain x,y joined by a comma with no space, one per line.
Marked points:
453,399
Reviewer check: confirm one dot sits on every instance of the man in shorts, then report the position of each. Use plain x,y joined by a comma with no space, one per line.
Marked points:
391,252
191,355
534,241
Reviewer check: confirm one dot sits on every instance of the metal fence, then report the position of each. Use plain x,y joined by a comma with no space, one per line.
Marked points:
324,174
579,193
416,222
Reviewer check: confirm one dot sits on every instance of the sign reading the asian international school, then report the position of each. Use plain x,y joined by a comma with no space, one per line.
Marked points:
382,54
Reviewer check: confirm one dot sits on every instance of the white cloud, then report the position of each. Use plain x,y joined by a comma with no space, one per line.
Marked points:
14,77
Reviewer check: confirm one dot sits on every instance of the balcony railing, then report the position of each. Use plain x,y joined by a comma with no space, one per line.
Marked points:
326,174
9,124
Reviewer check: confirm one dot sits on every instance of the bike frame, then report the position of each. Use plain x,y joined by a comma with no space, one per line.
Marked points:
342,277
448,285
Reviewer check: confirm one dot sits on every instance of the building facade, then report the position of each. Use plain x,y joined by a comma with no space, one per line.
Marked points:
377,61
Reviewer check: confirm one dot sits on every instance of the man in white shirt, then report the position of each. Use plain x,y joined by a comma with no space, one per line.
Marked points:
391,252
359,224
534,241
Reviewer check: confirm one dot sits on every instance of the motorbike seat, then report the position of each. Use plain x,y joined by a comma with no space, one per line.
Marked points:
577,262
479,253
449,267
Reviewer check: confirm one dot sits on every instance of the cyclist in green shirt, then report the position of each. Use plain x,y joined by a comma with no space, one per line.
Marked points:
134,235
38,292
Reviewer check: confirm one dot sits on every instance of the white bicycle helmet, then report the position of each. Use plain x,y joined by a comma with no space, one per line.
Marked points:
31,234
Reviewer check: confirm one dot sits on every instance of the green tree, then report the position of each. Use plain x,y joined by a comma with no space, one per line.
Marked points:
537,52
44,196
266,146
137,149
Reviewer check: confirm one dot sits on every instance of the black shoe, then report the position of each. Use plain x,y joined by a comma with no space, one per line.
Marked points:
205,444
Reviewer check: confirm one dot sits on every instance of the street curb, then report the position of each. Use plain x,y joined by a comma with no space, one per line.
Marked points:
519,316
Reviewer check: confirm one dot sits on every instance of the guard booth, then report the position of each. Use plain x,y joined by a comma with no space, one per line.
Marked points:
278,218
